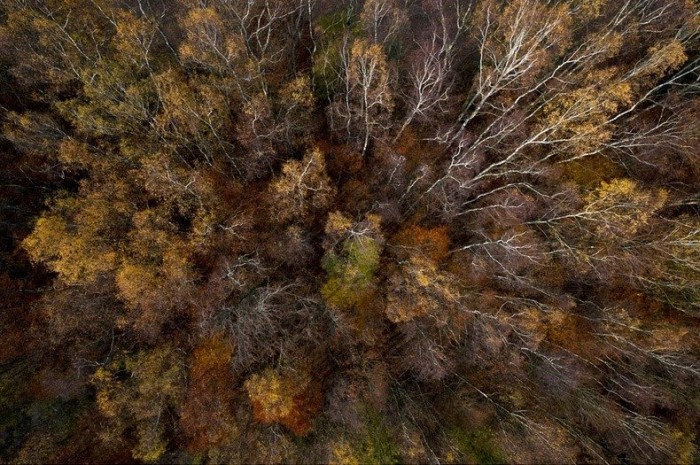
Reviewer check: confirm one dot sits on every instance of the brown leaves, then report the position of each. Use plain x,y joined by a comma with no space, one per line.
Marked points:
207,415
232,178
432,243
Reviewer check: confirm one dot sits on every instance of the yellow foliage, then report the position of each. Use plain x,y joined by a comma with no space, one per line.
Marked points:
589,171
155,383
370,71
190,108
151,234
581,117
272,392
133,280
105,396
337,224
133,37
420,289
686,447
69,239
288,398
298,93
663,58
303,186
586,10
538,324
152,444
620,208
209,40
72,152
374,221
342,453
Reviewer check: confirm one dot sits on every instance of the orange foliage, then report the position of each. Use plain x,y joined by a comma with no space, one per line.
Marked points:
207,414
433,243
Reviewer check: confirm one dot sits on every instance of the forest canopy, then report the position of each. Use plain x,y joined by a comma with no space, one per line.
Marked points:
353,232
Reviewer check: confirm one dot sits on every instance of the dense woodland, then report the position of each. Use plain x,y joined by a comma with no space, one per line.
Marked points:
379,231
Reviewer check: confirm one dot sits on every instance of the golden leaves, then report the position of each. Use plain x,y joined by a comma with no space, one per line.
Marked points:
288,398
662,59
587,10
303,187
420,289
581,117
298,92
134,37
369,71
190,108
343,453
155,383
134,280
206,43
70,239
621,209
271,394
337,224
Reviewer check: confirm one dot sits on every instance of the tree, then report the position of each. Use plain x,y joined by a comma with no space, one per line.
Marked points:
289,398
34,132
211,41
279,231
431,77
76,239
116,101
382,20
676,272
154,386
420,290
362,111
54,42
196,112
158,259
268,126
351,269
297,105
207,414
304,187
610,220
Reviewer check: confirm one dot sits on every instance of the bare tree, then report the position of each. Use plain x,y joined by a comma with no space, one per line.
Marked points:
363,110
